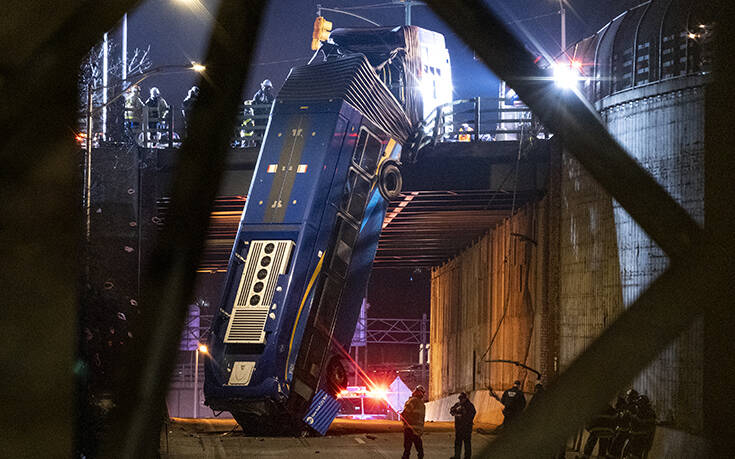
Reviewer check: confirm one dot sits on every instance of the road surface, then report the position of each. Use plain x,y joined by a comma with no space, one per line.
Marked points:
222,438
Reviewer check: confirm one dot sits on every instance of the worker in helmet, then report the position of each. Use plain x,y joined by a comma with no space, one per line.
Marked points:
265,94
157,113
188,104
413,422
133,111
465,133
261,103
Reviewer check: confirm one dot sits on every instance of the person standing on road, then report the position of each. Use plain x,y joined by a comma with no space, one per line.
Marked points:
464,415
413,422
513,402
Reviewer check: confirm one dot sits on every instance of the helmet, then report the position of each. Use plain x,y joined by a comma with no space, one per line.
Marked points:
266,83
631,395
462,395
194,90
643,400
155,92
516,383
420,388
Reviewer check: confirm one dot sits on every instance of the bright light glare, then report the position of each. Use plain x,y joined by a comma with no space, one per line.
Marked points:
203,348
198,67
566,76
379,392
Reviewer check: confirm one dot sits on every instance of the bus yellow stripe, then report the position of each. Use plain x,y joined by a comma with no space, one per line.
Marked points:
301,307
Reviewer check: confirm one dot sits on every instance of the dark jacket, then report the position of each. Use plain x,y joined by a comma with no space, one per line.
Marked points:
513,401
604,423
464,415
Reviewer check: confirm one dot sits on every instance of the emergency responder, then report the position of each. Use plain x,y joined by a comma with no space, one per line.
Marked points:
513,402
157,113
625,407
602,428
264,95
262,101
247,125
133,112
465,133
642,428
188,104
464,415
413,422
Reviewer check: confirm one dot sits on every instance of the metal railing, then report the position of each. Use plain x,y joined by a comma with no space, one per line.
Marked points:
480,119
170,131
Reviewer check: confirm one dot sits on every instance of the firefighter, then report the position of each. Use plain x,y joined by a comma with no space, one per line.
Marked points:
513,402
265,94
133,111
625,407
157,111
413,422
465,133
261,101
464,415
602,428
642,428
188,104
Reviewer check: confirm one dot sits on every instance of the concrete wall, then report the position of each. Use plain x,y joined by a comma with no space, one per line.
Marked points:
490,293
664,131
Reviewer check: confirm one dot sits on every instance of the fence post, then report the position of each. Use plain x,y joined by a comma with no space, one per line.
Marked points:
477,119
171,127
438,118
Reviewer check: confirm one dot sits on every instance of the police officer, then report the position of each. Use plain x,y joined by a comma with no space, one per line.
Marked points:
513,402
413,422
464,415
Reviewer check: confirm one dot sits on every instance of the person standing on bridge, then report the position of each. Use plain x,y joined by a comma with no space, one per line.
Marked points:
413,422
464,416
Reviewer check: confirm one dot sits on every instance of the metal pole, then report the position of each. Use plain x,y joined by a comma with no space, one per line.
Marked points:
563,27
105,71
88,166
196,383
125,47
408,12
477,129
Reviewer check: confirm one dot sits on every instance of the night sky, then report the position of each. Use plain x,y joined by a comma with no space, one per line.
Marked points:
177,31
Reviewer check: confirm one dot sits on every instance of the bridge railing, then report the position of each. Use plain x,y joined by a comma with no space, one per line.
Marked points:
479,119
169,131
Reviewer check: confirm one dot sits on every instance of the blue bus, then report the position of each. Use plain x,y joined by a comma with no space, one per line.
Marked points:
298,271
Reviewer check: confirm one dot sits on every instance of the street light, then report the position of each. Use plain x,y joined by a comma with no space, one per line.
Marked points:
204,350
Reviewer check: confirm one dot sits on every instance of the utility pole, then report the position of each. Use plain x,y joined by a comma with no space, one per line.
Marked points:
563,13
88,165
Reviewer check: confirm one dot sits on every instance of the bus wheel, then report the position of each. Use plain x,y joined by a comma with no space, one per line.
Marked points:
390,180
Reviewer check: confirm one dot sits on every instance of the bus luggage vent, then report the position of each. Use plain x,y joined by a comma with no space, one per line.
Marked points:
246,325
265,261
